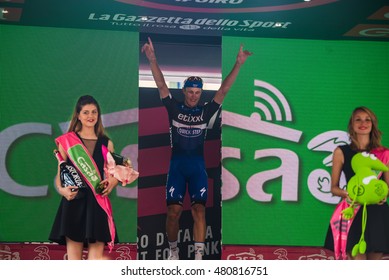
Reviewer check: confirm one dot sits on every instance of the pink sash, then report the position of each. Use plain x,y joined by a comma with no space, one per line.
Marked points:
383,155
340,228
86,166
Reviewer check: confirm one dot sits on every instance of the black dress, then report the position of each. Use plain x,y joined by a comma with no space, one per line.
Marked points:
82,219
377,225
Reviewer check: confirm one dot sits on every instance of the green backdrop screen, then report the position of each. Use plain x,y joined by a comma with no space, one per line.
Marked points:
43,72
282,119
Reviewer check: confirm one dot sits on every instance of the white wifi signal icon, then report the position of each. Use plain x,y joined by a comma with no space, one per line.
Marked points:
255,123
274,106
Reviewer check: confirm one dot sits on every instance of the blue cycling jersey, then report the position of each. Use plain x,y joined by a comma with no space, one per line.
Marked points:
188,125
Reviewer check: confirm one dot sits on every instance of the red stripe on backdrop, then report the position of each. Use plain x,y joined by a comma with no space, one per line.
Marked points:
150,163
154,202
212,153
53,251
154,161
256,252
156,119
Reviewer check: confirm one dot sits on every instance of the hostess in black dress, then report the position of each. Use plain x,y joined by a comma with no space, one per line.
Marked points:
377,225
82,219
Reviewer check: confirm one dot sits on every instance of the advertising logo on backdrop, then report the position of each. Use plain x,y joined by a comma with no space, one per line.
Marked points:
215,11
187,23
215,17
260,122
274,253
39,251
160,251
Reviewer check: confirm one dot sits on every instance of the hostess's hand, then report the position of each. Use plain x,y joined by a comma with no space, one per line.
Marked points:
69,192
382,201
109,184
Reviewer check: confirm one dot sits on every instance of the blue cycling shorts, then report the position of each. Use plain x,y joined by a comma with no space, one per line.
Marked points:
187,172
